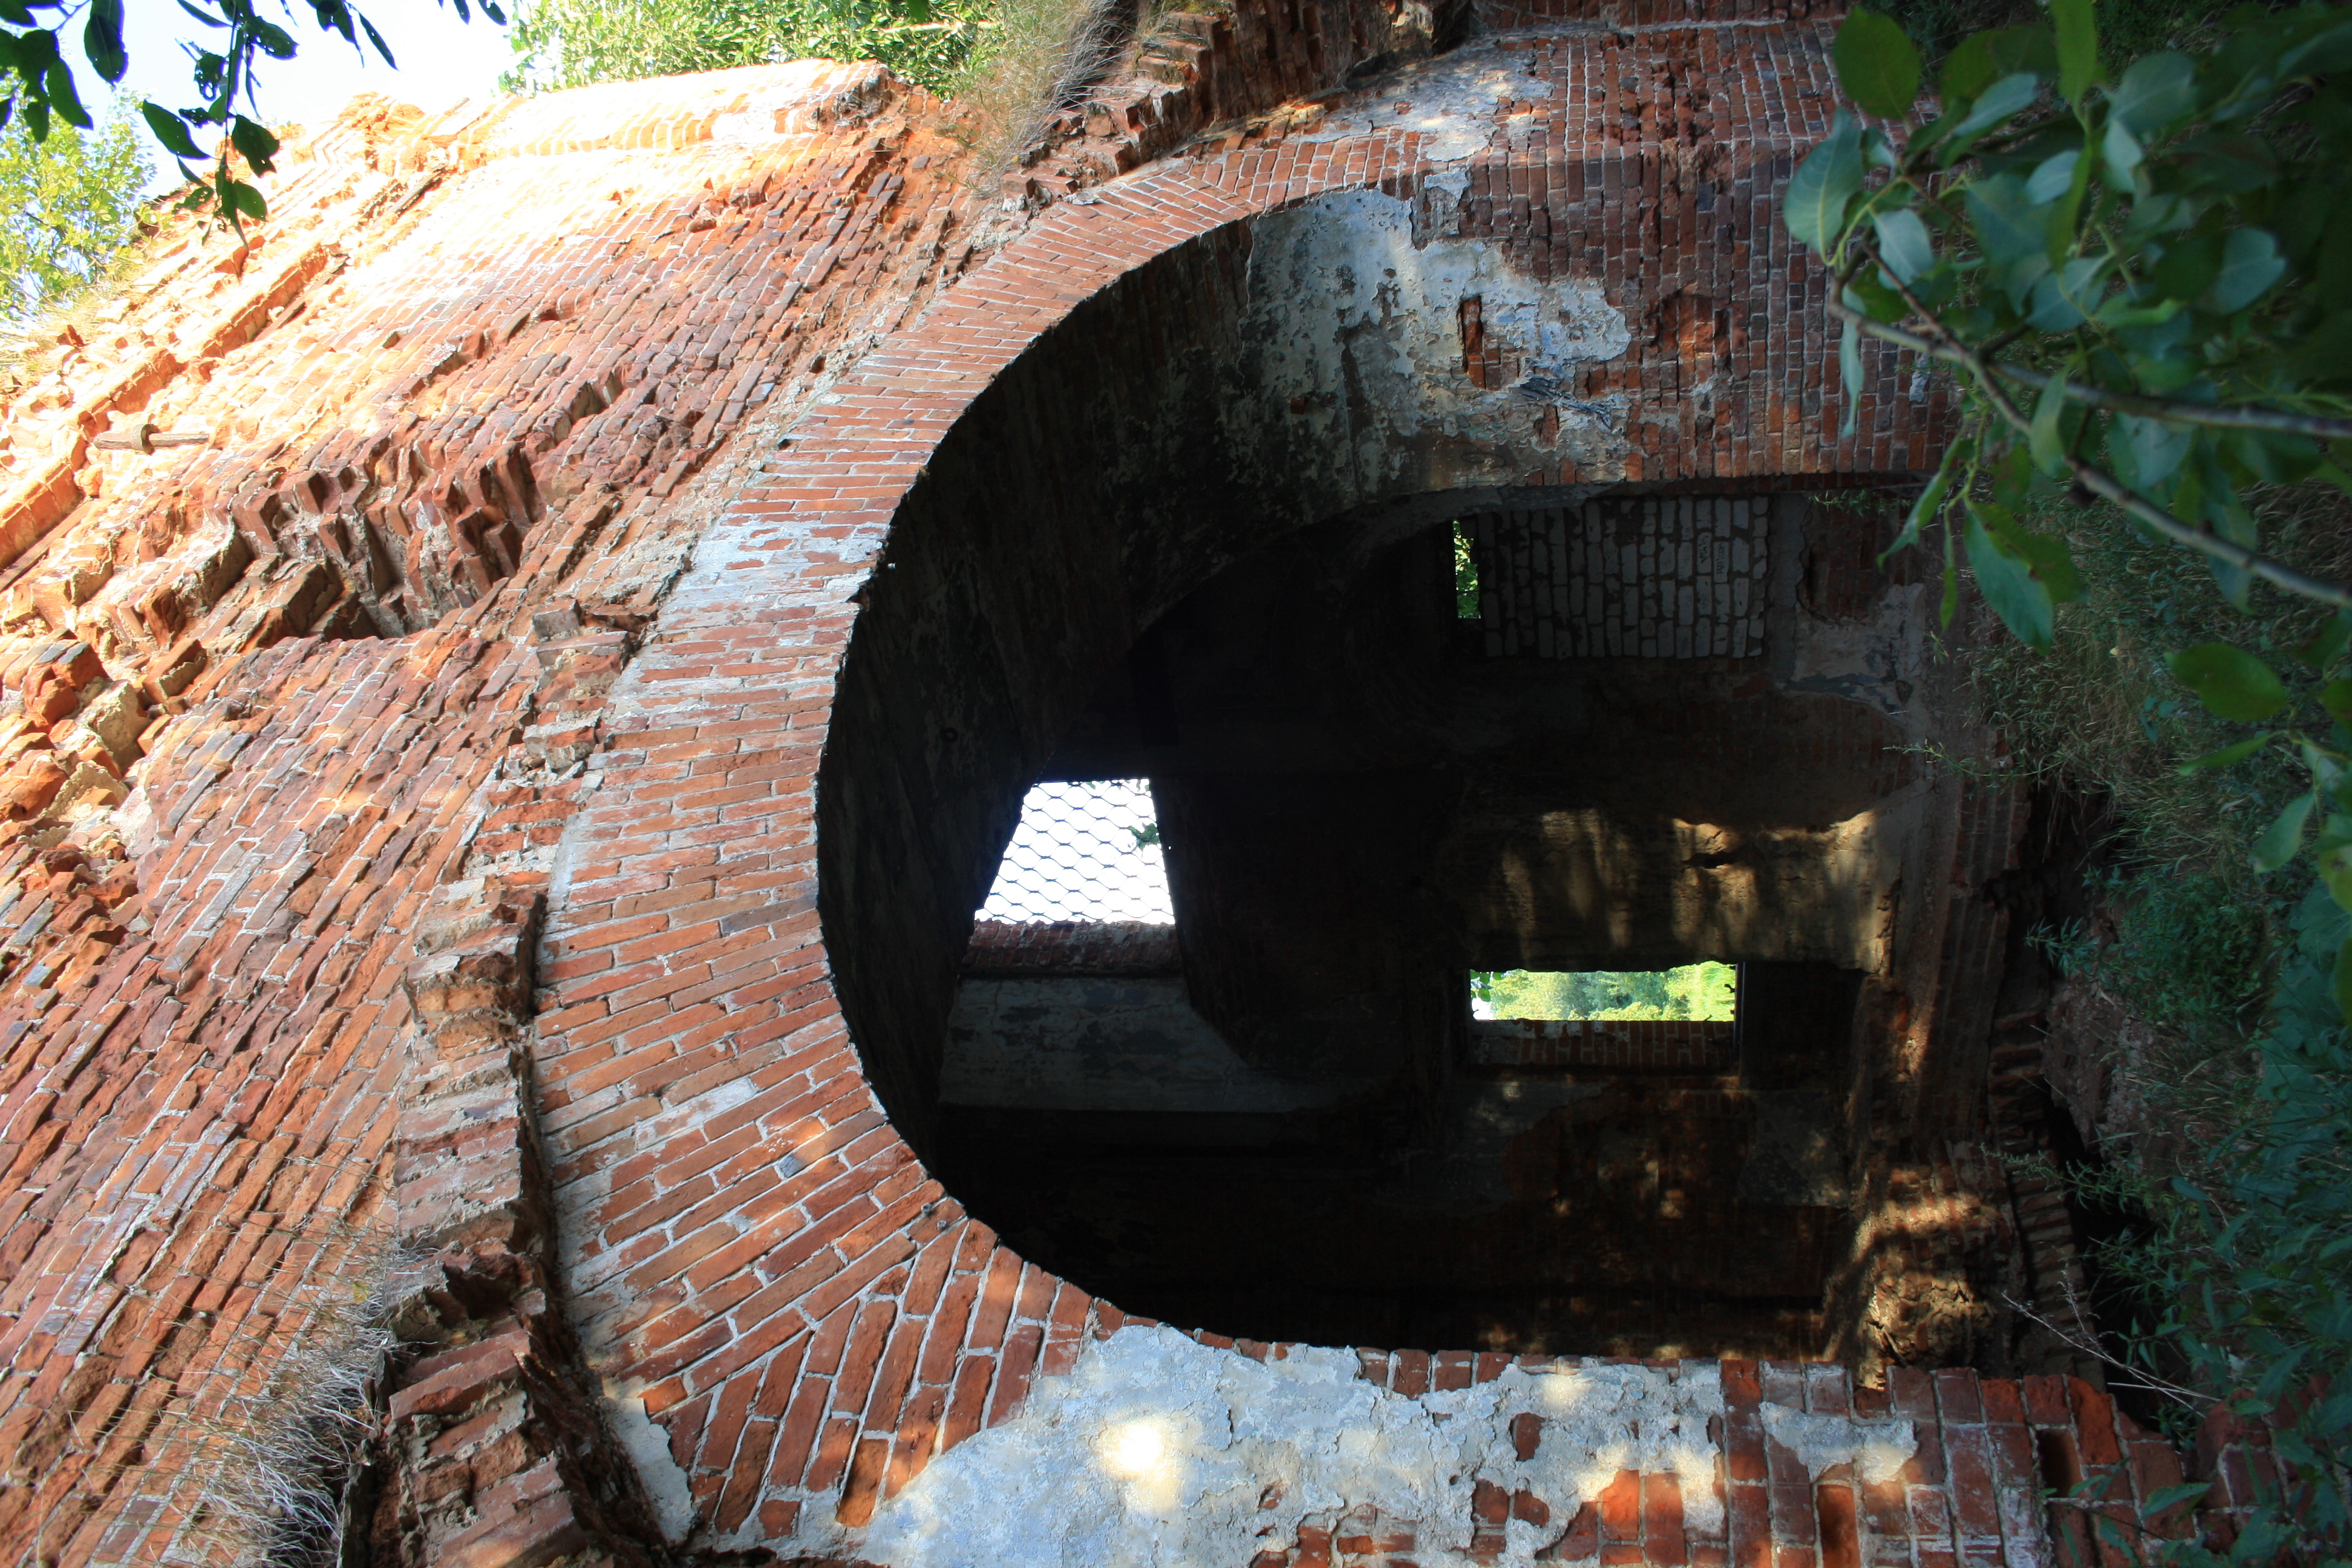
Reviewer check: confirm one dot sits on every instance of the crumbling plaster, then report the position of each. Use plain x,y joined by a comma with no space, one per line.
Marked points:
1357,322
1159,1452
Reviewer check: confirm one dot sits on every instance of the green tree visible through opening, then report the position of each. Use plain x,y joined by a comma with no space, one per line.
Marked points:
1706,991
1466,575
68,206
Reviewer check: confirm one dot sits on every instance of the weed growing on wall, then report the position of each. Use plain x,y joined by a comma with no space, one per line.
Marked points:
1037,59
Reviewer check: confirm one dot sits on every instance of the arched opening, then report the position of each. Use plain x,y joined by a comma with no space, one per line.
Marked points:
1211,532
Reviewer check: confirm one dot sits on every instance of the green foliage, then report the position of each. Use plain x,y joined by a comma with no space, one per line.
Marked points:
2138,266
2192,952
2249,1264
68,206
1465,576
221,72
2142,284
2163,261
571,43
1701,991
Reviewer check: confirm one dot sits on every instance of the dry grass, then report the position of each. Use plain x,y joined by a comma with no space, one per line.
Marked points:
278,1462
31,349
1038,60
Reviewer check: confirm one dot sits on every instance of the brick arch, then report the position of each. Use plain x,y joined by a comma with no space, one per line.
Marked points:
759,1261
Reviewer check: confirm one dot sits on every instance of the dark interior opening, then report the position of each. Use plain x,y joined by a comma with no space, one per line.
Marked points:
1271,1116
1278,1117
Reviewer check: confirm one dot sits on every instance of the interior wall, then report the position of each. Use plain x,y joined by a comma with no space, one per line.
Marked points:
1283,369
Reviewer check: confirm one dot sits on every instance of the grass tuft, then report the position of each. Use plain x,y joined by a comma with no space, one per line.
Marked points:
1038,60
279,1464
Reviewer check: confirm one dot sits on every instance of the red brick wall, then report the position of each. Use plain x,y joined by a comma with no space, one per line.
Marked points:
752,1248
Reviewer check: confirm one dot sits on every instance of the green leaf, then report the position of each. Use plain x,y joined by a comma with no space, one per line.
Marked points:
1850,371
2001,100
238,200
2336,695
2340,979
1877,65
2119,311
2065,218
2078,48
2231,683
2229,756
256,142
2123,154
2023,577
2325,353
2187,267
2251,263
377,39
2326,645
2009,228
2064,300
1931,500
101,40
2156,91
2284,838
1824,187
1903,243
2151,450
2047,439
2171,1497
1983,59
170,131
57,85
2053,176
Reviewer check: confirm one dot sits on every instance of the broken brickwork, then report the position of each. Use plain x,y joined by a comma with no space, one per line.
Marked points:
424,627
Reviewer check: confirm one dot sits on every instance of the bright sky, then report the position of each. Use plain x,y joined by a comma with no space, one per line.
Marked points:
1074,858
442,60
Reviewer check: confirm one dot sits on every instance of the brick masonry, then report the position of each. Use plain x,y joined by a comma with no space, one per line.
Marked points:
413,838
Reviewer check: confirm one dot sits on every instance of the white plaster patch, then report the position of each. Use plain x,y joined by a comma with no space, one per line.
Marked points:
1157,1452
1877,1450
1454,101
648,1446
1361,331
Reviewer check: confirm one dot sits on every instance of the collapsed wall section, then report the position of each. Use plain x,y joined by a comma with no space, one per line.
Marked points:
329,544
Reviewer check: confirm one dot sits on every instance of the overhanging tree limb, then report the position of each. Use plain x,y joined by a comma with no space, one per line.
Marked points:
1944,347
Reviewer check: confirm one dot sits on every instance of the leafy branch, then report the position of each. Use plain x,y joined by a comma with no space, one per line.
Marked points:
2142,291
222,76
2164,263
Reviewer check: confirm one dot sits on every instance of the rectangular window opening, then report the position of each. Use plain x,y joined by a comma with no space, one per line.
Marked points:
1466,575
1083,852
1705,992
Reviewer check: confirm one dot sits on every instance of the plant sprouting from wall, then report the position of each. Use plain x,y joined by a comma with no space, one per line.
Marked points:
279,1463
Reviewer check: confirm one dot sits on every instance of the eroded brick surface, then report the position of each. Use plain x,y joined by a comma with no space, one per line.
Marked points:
411,783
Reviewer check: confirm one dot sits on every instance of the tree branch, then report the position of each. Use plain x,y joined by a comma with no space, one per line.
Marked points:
2096,480
2171,410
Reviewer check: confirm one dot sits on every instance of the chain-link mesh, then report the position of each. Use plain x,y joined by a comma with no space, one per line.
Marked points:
1083,852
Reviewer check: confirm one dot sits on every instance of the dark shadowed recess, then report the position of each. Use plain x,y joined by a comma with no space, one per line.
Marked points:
1288,1126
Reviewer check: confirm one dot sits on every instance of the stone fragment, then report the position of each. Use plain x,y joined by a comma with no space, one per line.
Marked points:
114,715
